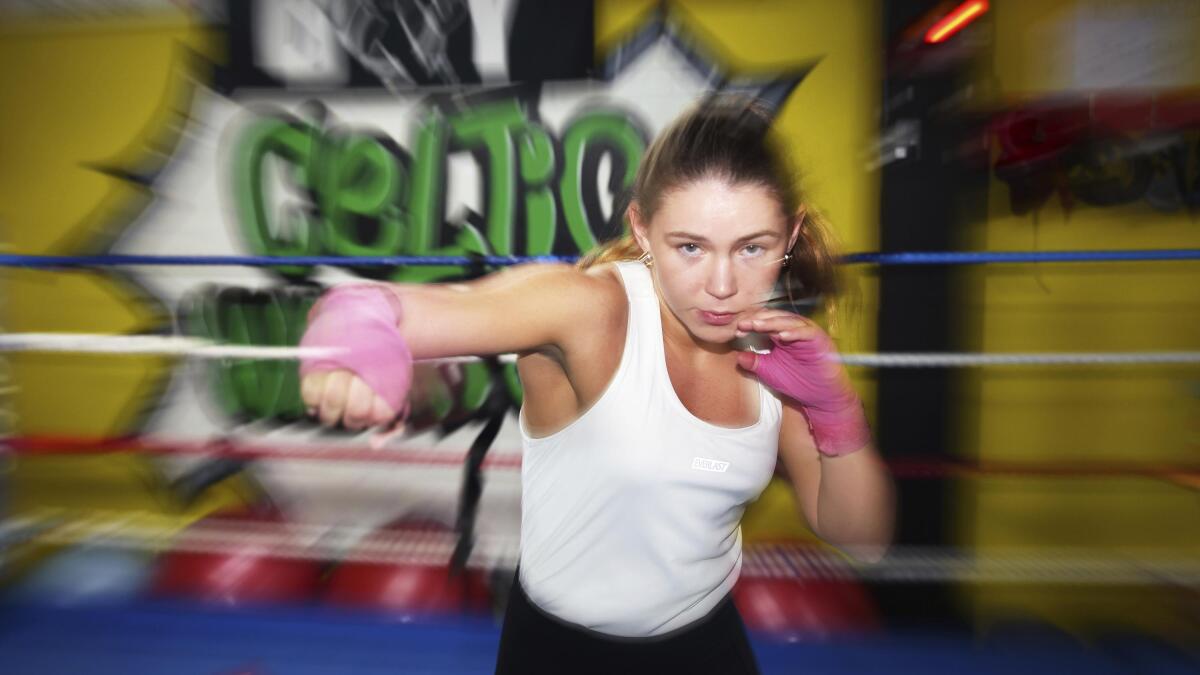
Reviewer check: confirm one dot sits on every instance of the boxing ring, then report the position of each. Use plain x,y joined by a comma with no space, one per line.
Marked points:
309,617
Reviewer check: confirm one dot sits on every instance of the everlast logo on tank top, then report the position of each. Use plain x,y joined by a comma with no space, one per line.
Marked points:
702,464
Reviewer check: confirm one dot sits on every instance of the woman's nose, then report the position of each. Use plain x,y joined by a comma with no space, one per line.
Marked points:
722,283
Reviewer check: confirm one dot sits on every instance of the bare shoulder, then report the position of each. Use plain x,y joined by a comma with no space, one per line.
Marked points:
565,377
569,291
592,301
605,282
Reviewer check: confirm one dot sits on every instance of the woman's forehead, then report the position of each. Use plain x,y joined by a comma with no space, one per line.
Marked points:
716,207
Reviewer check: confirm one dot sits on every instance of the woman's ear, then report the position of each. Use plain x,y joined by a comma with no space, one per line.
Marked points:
797,225
638,227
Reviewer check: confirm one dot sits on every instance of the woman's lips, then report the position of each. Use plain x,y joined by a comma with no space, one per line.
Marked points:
718,318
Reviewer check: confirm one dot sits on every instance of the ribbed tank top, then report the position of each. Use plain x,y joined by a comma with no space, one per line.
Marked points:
630,515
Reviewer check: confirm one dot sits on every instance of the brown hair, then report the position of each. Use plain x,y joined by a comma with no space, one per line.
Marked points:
730,137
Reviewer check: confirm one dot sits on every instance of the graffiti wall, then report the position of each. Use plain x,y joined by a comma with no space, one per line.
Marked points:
314,128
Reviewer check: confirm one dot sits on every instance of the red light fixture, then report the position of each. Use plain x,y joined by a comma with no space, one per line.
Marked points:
956,20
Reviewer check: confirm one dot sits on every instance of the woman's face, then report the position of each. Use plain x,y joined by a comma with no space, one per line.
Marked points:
718,251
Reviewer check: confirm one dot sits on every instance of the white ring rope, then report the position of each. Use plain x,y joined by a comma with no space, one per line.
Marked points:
173,345
323,542
943,359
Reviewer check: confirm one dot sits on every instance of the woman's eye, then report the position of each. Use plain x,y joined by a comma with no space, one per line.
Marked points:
689,249
753,249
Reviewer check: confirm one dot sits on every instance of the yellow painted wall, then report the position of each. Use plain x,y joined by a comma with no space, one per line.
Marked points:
1078,416
76,95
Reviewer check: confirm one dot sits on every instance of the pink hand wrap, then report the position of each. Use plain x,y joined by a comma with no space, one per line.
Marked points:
362,321
807,372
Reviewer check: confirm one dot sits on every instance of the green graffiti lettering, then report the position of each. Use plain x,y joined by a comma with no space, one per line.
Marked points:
429,175
614,131
251,389
537,170
360,181
292,233
426,205
491,128
358,194
361,195
200,320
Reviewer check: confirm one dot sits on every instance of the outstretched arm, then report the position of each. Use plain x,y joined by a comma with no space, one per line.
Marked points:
381,328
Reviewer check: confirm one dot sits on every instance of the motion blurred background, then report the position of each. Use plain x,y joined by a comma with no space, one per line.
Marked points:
182,487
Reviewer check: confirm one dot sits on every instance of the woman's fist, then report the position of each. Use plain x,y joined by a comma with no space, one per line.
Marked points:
803,366
365,370
340,396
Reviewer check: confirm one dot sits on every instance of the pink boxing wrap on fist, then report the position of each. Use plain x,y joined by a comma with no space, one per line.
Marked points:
807,372
362,322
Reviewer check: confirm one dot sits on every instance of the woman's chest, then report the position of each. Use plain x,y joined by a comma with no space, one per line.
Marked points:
662,455
718,393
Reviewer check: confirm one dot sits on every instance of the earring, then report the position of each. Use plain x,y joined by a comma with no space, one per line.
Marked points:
647,260
787,260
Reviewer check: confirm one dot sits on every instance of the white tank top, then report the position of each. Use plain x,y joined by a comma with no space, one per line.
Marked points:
630,515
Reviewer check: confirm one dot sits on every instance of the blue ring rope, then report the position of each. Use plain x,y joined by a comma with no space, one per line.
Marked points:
989,257
915,258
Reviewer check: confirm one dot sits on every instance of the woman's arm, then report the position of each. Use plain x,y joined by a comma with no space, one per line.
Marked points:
520,309
843,487
379,330
849,501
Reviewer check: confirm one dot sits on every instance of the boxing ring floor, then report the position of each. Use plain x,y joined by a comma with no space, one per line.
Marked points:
191,639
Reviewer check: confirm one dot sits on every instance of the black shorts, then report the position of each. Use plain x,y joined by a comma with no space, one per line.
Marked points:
533,642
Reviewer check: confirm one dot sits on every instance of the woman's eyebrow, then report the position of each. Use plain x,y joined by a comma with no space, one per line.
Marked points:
764,233
695,237
680,234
